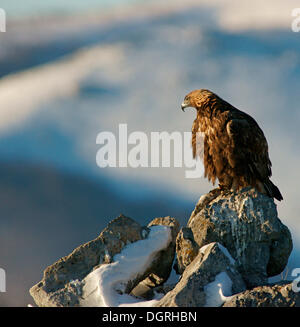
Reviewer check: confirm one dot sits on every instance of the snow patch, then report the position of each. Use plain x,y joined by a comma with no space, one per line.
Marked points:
218,291
105,286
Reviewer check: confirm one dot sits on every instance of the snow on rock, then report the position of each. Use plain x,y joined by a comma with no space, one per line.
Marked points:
115,263
61,284
218,291
227,254
105,286
222,248
209,280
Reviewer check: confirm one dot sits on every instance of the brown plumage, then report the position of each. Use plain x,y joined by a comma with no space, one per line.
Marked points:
232,146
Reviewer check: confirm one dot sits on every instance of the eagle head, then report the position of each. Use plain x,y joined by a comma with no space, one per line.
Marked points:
197,98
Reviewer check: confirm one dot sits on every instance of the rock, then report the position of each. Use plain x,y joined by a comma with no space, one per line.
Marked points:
186,249
247,224
109,284
198,285
161,267
61,284
65,283
278,295
146,292
232,243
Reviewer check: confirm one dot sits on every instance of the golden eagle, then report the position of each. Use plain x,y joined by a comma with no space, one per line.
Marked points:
232,146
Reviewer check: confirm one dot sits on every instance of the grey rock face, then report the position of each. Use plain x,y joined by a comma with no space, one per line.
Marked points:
61,283
279,295
161,267
65,284
247,224
198,286
186,249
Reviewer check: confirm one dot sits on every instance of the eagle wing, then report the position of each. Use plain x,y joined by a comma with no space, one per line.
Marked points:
247,151
233,148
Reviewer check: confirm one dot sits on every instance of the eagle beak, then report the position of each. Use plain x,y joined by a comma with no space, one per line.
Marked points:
183,106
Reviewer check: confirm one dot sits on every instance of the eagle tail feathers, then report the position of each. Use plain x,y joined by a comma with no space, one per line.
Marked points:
272,190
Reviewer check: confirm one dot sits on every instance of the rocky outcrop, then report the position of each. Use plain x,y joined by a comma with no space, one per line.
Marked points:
276,295
207,281
232,243
247,224
62,282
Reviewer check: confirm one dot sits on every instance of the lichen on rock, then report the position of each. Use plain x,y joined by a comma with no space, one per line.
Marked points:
246,223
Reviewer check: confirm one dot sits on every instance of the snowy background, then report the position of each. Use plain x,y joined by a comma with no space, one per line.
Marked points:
72,69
